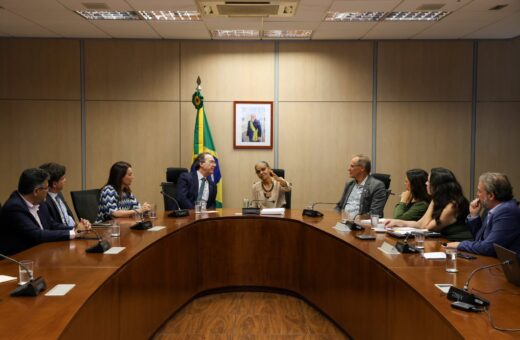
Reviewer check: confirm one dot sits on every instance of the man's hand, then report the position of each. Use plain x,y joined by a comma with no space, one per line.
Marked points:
83,225
475,207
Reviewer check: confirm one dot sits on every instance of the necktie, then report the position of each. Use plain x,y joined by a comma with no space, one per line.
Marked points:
201,189
60,210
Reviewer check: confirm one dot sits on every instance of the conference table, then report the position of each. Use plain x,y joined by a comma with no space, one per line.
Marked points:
366,292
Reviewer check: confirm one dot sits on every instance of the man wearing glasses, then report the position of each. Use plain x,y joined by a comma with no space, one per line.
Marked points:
365,195
25,221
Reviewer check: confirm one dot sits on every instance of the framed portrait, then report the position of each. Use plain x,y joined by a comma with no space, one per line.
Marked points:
253,125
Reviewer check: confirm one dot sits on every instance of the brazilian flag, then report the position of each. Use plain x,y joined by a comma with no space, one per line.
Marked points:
203,142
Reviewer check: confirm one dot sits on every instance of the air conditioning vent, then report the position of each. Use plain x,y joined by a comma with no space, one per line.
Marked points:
246,8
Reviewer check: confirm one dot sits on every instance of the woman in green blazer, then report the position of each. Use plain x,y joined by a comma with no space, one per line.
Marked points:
414,201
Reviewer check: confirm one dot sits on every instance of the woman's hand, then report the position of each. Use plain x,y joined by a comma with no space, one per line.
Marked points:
145,207
394,223
406,196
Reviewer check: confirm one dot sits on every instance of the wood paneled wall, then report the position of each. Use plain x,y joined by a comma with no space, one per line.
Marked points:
138,108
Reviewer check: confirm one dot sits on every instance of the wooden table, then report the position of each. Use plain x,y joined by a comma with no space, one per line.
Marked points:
369,294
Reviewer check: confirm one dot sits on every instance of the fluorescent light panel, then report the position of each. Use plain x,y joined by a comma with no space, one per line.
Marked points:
109,15
287,34
354,16
235,34
416,16
141,15
171,15
385,16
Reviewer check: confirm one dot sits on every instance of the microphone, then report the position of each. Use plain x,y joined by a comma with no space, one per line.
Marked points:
254,211
31,288
466,284
101,246
314,213
457,294
179,212
404,247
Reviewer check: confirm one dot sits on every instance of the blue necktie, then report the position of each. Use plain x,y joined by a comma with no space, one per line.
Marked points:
201,189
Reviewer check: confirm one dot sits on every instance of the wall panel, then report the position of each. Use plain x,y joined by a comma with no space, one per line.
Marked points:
424,71
39,69
132,70
423,135
36,132
229,71
499,70
145,134
236,165
317,141
326,71
498,139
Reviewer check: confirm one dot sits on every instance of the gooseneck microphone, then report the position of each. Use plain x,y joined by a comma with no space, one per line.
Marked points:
314,213
101,246
179,212
463,295
466,284
31,288
254,211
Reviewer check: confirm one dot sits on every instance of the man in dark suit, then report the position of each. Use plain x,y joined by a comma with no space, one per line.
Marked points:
198,185
365,195
56,204
25,221
501,224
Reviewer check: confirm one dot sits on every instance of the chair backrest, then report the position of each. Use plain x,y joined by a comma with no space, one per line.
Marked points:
281,173
385,178
86,203
172,174
170,186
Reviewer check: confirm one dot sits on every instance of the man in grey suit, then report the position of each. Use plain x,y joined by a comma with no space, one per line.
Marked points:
365,195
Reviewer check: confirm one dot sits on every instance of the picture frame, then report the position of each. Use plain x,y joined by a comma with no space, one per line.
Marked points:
253,125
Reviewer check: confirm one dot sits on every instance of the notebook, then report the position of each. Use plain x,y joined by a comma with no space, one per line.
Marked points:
512,270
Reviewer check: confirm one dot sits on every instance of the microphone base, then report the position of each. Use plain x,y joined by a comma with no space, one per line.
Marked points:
405,248
179,213
143,225
250,211
100,247
311,213
31,288
457,294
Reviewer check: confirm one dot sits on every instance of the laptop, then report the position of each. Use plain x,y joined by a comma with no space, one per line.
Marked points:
512,270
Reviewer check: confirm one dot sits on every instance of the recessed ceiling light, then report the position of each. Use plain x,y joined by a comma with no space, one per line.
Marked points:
235,34
354,16
171,15
416,16
287,34
109,15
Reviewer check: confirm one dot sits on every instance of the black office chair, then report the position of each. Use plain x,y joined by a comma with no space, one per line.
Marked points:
170,186
281,173
86,203
385,178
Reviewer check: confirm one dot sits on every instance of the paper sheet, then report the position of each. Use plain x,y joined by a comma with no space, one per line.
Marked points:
157,228
436,255
389,249
5,278
60,290
272,211
341,227
114,250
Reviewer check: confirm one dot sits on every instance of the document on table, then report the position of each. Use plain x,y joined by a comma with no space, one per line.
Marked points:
5,278
407,230
341,227
436,255
157,228
114,250
60,290
272,211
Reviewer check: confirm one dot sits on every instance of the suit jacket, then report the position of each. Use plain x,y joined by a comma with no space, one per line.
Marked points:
19,230
373,198
53,207
188,190
502,226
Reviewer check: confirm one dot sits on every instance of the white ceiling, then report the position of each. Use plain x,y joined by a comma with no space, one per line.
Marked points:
471,19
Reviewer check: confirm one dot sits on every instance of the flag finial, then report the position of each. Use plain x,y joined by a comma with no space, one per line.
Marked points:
198,83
